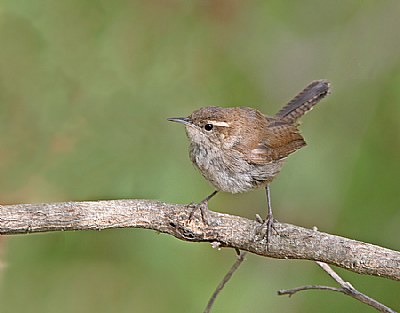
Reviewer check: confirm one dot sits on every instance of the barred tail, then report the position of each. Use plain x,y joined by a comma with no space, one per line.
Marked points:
304,101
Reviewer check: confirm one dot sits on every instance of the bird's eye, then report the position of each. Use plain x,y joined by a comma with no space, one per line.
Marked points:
208,127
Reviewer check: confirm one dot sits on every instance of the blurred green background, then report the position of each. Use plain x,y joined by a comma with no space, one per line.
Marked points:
85,90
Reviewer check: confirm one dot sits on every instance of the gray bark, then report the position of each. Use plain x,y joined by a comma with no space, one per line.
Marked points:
287,241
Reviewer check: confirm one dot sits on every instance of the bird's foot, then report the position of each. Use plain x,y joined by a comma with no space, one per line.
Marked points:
267,226
203,208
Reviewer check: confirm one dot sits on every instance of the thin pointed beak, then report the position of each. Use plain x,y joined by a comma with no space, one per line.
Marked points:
183,120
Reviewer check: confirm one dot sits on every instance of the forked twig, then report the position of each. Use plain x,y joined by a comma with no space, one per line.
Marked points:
346,288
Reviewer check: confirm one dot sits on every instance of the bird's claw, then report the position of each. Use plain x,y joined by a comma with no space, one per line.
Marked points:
265,229
203,207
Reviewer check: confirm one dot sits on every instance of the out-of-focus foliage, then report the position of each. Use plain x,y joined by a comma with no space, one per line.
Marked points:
85,90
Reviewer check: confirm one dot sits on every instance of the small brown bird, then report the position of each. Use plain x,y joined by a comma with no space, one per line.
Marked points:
239,149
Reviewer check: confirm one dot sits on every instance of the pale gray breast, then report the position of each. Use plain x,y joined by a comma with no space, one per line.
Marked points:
230,172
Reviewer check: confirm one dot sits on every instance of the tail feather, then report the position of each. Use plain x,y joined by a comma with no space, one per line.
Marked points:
304,101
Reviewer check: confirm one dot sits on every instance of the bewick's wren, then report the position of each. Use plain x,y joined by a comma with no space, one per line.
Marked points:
239,149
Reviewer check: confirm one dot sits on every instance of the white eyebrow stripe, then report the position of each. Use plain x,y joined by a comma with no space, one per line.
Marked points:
223,124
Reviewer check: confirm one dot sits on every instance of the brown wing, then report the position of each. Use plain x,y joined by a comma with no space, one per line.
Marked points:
276,143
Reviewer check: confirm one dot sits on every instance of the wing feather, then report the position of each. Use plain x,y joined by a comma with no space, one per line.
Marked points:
277,143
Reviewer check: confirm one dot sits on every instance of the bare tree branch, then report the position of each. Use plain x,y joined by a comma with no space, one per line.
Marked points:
288,242
240,258
346,288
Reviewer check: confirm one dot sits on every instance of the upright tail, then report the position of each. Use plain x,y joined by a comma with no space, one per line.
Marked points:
304,101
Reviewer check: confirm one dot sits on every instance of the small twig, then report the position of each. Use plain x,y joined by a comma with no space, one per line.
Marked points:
349,290
332,273
291,292
228,276
346,288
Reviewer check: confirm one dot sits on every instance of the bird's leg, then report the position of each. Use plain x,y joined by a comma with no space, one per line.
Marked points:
203,207
267,225
269,221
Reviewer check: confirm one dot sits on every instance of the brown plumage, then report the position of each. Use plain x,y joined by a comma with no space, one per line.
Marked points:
238,149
